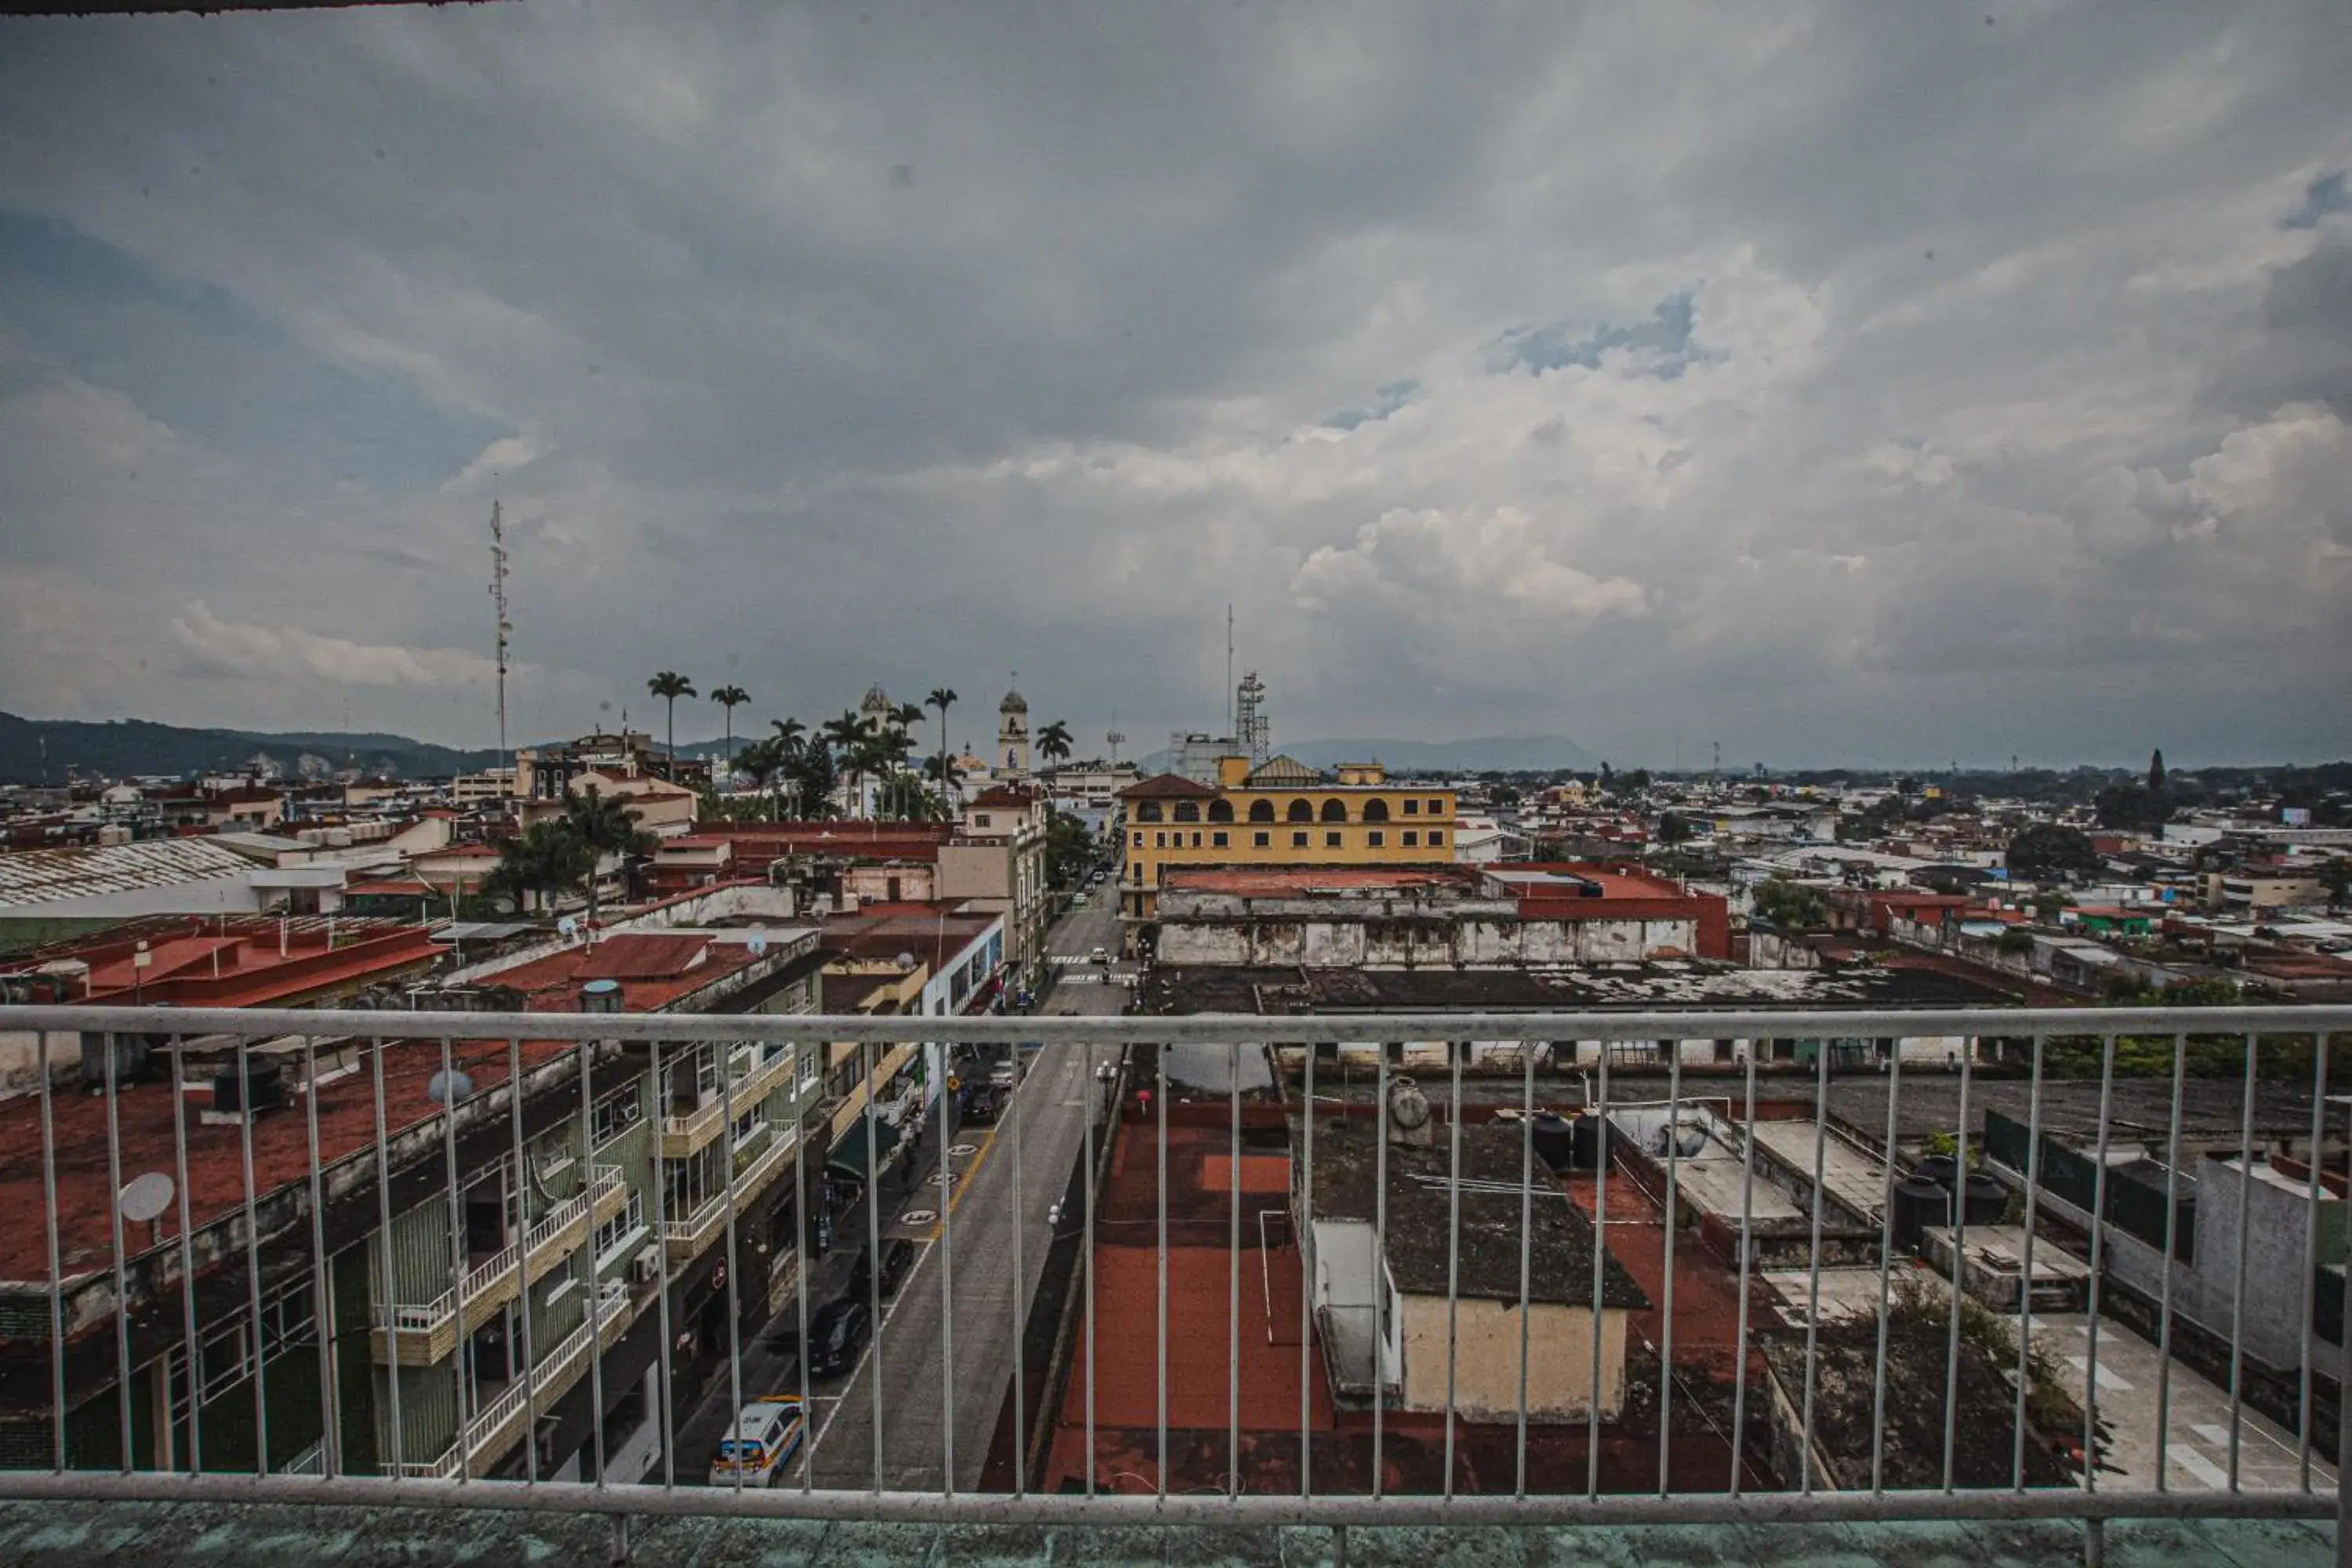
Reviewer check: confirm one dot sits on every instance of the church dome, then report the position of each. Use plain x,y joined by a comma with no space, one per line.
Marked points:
1014,703
876,699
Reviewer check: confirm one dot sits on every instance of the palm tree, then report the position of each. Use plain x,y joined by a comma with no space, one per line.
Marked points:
907,715
548,859
943,773
1054,741
729,698
763,759
669,686
942,697
604,824
846,735
809,774
788,735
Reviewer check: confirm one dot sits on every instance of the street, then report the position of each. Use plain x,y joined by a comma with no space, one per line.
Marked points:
915,1343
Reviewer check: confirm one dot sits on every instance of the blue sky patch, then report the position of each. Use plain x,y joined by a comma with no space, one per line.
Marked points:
1661,344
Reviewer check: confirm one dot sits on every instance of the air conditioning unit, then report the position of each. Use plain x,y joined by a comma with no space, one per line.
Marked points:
648,1265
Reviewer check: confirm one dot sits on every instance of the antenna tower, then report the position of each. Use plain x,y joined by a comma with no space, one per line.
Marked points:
505,626
1116,739
1229,668
1252,733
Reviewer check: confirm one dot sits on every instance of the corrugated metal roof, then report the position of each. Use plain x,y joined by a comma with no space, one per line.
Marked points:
36,877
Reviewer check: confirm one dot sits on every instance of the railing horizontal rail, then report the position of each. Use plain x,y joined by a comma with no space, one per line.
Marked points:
1125,1509
1370,1028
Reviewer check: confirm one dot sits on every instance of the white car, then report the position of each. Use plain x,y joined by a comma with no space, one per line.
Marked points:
767,1433
1100,956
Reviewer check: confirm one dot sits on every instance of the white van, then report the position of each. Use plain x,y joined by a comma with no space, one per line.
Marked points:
767,1433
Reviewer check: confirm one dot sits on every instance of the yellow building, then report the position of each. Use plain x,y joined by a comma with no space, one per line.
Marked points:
1280,814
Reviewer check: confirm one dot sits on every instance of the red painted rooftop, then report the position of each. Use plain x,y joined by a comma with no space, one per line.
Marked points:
238,962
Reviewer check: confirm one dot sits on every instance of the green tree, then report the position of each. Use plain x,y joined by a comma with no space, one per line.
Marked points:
1791,906
730,697
809,774
2049,848
1054,741
762,760
941,698
1069,850
604,824
846,736
1672,830
669,686
547,860
2130,807
2156,771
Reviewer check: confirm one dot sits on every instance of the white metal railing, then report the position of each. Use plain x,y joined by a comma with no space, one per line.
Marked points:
1805,1432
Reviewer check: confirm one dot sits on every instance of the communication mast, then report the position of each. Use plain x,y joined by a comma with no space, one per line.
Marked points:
505,626
1116,738
1251,731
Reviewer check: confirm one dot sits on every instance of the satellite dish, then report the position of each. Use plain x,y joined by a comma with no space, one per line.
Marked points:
758,945
144,1198
448,1088
566,926
906,961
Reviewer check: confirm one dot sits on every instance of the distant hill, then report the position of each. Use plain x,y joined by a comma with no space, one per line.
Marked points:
1496,754
120,747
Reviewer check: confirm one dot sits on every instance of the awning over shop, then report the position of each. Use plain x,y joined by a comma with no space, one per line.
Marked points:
848,1154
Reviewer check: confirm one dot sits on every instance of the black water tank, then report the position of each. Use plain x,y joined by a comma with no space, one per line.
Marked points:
1941,1169
1589,1139
1555,1142
1983,1200
262,1087
1918,1205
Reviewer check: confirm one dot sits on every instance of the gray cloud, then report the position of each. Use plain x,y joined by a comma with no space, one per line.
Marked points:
1841,383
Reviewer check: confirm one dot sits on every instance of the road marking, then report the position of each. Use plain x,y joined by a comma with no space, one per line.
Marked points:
2204,1470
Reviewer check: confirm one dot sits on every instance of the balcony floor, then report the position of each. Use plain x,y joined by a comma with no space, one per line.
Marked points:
251,1536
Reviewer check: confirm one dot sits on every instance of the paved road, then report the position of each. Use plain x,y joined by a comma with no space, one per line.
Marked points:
914,1344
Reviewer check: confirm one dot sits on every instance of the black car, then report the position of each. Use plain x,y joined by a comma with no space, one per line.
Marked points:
897,1257
836,1335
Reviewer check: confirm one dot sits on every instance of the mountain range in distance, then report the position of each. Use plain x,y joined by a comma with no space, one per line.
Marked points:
33,750
1486,754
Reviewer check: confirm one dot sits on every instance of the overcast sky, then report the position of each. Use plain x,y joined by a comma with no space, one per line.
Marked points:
1871,383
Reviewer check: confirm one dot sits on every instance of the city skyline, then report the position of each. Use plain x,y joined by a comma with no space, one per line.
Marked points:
1846,389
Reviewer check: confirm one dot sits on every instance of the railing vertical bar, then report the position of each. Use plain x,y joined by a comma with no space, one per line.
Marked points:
2238,1280
188,1259
948,1126
1747,1270
1304,1243
392,1335
2098,1263
252,1258
1454,1048
458,1358
321,1319
1599,1252
1086,1243
1527,1250
596,1274
1674,1205
1885,1273
2025,1270
1020,1295
1160,1106
2171,1241
734,1274
1957,1213
122,1286
522,1252
1380,1271
1813,1258
660,1208
52,1223
2310,1264
1233,1285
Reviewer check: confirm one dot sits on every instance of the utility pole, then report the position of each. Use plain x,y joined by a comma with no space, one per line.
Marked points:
505,626
1229,668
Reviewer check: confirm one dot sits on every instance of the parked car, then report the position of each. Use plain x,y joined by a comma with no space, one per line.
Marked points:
766,1435
1100,956
837,1333
897,1257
